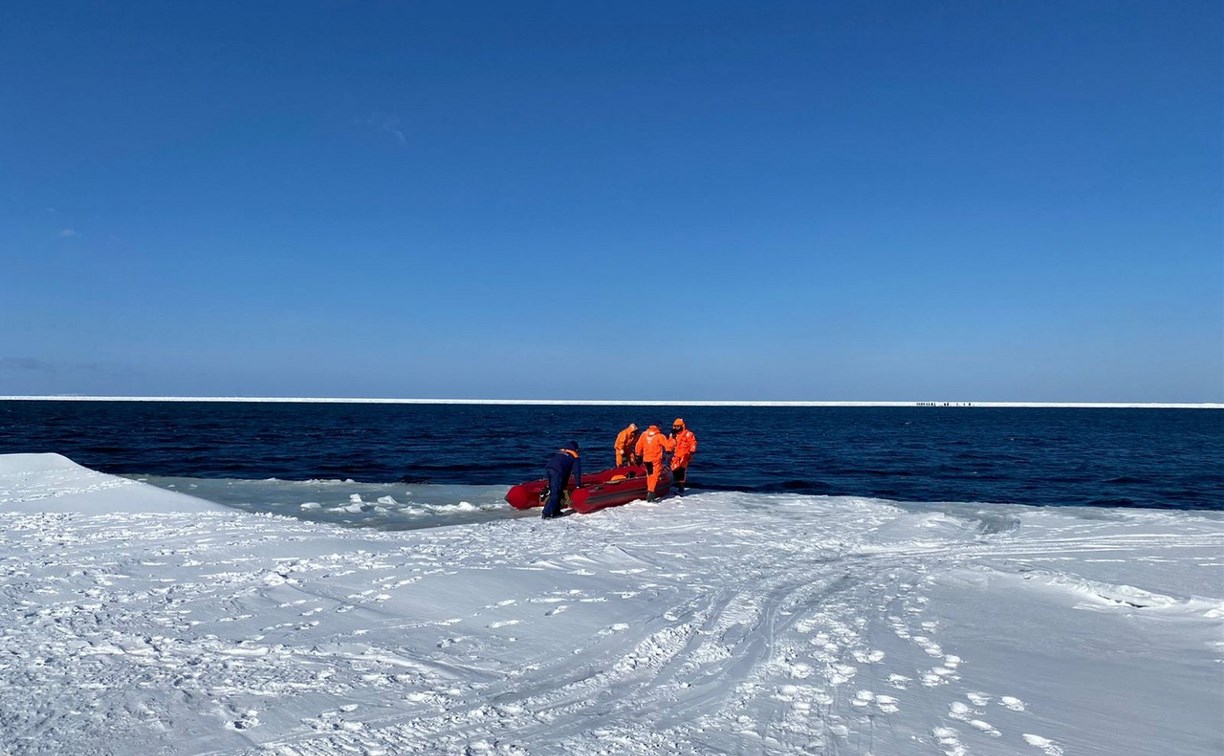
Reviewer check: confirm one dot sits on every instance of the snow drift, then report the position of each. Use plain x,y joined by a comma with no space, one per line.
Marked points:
137,620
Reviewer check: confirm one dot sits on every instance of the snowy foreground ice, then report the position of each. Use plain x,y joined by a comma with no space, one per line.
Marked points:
135,620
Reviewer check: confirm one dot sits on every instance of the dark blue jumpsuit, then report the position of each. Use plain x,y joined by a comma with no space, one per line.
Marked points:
558,469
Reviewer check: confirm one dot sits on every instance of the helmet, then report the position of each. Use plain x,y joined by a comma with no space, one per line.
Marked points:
679,423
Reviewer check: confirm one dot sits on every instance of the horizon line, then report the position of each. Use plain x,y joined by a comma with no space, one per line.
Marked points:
615,402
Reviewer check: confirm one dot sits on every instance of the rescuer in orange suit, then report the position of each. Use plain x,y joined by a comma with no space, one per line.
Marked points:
625,445
684,443
650,447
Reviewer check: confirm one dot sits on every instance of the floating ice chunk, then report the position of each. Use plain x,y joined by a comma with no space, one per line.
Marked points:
1045,744
985,727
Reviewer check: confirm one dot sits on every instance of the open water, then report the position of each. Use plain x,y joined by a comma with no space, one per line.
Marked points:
1161,458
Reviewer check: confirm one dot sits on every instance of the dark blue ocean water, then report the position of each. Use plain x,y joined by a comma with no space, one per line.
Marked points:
1163,458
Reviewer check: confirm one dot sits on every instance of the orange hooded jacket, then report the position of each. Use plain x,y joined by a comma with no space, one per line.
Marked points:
651,445
685,443
625,444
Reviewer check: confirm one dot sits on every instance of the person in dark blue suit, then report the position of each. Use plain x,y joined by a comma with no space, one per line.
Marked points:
558,469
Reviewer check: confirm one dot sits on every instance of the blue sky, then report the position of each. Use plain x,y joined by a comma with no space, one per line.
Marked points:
1004,201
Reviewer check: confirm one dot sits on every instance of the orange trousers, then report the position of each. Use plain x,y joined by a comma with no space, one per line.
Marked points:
653,473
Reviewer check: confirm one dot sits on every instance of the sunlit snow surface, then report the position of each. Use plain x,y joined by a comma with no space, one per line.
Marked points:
138,620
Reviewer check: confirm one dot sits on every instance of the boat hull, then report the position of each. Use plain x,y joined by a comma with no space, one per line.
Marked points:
606,488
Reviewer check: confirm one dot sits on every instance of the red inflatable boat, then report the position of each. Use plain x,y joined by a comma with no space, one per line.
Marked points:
607,488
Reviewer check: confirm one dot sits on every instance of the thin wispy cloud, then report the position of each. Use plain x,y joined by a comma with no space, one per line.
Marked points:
68,233
387,125
36,365
26,364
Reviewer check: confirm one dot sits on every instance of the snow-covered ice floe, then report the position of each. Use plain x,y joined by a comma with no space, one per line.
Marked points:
136,620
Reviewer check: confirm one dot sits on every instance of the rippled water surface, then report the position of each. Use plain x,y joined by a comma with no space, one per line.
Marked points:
1165,458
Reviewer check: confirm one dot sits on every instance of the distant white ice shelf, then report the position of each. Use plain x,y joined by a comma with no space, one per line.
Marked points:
605,402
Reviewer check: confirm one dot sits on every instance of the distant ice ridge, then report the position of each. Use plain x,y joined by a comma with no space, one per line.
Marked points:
138,620
612,402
